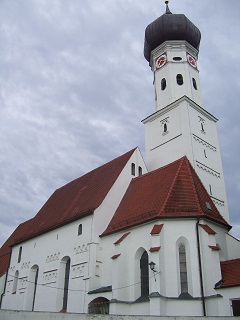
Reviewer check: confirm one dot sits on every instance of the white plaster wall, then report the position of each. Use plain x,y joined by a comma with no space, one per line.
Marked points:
225,305
2,285
46,251
105,212
170,70
124,275
186,138
233,247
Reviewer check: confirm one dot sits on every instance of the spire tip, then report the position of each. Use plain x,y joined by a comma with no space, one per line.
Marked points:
167,8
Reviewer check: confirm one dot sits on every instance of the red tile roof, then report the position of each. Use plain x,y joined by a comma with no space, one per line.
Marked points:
215,248
154,249
122,238
230,273
208,229
173,191
68,203
116,256
157,228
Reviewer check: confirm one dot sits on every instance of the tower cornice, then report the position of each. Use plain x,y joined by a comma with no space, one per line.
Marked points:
175,104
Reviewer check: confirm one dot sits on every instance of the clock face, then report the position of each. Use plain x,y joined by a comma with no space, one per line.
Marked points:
161,61
191,61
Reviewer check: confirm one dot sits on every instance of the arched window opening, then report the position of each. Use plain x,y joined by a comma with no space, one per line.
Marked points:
202,127
80,229
205,153
15,282
163,84
20,254
139,171
133,169
179,79
144,273
35,286
183,269
99,306
194,83
165,129
66,284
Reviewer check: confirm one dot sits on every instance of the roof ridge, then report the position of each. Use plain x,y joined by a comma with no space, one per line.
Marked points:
158,169
193,184
173,183
104,164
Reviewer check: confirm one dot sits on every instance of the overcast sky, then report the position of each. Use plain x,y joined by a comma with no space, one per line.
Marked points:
74,87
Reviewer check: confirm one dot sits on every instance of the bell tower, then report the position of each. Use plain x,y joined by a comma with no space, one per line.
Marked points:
180,125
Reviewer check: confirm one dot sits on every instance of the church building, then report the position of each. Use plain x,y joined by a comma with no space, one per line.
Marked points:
134,238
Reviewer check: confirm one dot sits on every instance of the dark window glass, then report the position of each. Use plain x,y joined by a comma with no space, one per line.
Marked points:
144,271
80,229
179,79
236,307
139,171
66,283
133,169
183,269
205,154
177,58
20,254
165,127
194,83
35,288
163,84
202,127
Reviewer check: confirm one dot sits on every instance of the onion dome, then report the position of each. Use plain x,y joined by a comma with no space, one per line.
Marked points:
170,27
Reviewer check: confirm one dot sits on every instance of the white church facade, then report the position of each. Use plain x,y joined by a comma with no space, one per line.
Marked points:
136,239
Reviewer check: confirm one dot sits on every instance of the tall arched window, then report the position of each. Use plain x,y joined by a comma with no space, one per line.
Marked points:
15,282
66,283
20,254
183,269
144,273
35,270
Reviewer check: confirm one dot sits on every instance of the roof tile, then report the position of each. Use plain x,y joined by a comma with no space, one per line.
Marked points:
172,191
207,228
157,228
230,273
68,203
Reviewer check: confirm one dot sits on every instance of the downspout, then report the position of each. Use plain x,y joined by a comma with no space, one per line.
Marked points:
200,269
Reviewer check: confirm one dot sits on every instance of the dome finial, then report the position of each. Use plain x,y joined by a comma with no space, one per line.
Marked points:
167,8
